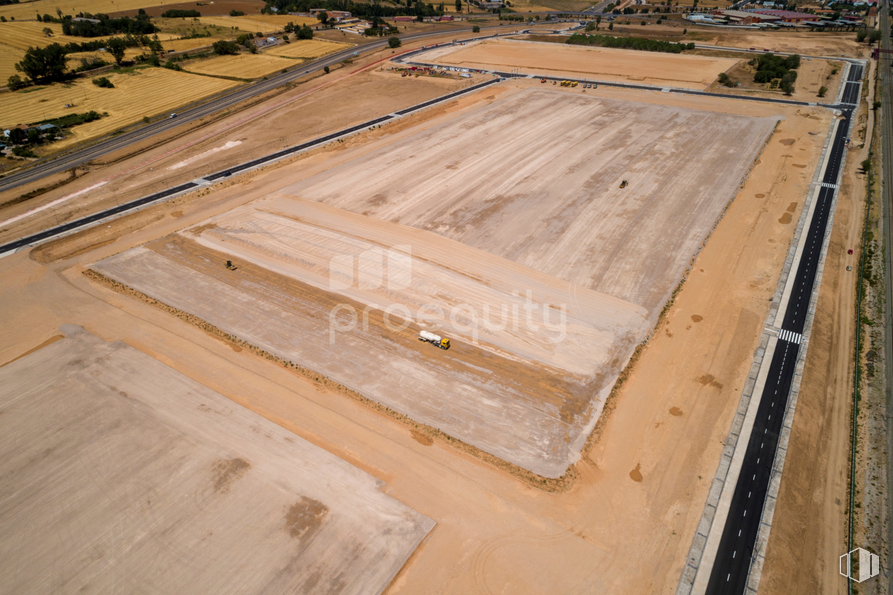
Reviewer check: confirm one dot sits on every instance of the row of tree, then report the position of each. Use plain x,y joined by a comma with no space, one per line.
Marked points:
361,10
631,43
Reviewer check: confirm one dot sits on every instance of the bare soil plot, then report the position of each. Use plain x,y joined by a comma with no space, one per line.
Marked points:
123,474
243,66
604,63
536,178
513,392
145,92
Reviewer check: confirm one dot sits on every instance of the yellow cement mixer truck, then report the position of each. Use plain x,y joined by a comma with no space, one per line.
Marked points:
434,339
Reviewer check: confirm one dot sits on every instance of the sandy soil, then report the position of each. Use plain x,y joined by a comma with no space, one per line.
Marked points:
812,75
626,525
299,114
812,44
809,527
559,208
651,68
122,474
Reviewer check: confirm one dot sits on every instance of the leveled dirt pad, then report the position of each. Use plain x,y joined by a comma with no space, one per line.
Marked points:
626,66
506,228
122,475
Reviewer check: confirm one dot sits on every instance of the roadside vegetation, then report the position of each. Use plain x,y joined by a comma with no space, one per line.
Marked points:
630,43
778,71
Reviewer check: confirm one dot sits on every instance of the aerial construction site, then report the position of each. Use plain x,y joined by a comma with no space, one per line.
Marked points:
456,329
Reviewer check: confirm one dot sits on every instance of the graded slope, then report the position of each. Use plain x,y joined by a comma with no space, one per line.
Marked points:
536,179
123,475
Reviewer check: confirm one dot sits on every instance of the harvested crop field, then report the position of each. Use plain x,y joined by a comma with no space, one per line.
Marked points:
24,34
652,68
28,10
243,66
545,276
306,49
258,23
146,92
101,430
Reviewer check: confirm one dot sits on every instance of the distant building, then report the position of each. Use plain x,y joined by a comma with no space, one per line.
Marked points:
787,16
740,17
334,15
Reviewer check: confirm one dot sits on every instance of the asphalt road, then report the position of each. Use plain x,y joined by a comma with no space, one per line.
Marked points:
886,81
89,220
114,143
738,542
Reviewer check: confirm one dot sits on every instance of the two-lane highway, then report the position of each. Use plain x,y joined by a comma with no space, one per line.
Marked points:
738,542
65,162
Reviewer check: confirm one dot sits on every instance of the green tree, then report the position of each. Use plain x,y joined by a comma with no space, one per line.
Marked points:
326,69
610,26
458,5
787,84
861,34
117,47
305,32
323,18
822,91
394,42
47,31
15,82
475,29
874,36
224,48
866,165
876,105
590,26
44,64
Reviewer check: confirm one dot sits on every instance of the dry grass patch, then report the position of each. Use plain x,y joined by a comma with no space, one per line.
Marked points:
259,23
243,66
307,48
147,92
27,10
23,35
8,58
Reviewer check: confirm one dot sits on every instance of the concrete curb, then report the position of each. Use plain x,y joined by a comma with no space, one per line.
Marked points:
705,526
762,542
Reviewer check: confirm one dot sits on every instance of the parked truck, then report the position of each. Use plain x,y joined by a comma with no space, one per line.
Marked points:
434,339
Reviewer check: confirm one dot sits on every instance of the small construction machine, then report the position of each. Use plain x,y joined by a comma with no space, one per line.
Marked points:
624,184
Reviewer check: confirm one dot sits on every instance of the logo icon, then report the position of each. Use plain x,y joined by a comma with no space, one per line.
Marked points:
860,565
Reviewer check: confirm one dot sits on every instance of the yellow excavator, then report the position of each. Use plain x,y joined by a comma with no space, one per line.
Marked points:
624,184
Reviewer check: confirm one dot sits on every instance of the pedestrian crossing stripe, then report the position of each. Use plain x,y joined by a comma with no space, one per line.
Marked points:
827,185
790,337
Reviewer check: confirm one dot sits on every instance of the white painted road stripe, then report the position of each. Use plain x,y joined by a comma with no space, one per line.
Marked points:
790,336
827,185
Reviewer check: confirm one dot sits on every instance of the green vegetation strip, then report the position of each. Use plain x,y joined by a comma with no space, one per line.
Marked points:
630,43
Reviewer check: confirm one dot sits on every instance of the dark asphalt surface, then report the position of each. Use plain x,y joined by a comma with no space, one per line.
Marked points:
145,200
63,163
738,542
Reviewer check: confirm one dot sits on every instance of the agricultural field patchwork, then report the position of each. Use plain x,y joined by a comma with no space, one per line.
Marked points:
255,24
242,66
27,10
146,92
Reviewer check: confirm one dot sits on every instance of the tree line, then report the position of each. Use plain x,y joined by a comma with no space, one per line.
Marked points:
631,43
363,11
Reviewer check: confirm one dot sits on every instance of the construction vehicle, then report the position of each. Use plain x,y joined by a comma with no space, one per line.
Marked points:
434,339
624,184
574,84
543,81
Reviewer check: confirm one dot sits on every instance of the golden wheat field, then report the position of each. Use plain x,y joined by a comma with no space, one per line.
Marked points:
306,48
146,92
8,58
256,24
25,34
180,45
243,66
28,10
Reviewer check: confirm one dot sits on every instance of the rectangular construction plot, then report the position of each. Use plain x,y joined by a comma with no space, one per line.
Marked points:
513,208
121,475
535,178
